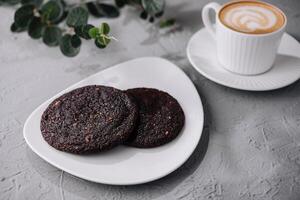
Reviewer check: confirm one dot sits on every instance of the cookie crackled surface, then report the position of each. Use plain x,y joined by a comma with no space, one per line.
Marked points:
89,119
161,118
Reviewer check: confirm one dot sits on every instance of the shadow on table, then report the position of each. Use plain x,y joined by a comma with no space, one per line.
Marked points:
155,188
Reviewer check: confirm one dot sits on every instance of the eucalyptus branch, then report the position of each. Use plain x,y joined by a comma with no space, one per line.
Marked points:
41,19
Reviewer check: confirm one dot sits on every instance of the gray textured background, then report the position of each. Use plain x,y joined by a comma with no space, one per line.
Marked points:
250,148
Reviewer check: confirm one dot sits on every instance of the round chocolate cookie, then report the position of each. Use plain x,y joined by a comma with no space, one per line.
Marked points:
89,119
161,118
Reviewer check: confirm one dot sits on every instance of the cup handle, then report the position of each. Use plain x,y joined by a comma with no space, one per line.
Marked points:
205,17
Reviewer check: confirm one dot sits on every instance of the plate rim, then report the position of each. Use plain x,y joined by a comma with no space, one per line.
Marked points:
66,169
212,78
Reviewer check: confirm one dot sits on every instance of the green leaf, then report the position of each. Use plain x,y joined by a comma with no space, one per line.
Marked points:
33,2
35,28
94,32
24,15
65,11
75,41
14,28
62,18
83,31
102,10
104,28
103,39
52,35
109,11
166,23
153,7
66,46
77,16
52,11
99,45
94,10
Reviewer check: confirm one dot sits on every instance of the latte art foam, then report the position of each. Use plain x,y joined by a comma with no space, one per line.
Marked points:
252,17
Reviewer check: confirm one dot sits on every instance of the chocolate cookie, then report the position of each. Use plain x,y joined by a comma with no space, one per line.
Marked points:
89,119
161,118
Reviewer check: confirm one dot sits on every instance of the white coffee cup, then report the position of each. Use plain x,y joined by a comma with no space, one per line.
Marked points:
242,53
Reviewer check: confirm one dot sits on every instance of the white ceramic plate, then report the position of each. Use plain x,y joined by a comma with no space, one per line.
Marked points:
127,165
201,52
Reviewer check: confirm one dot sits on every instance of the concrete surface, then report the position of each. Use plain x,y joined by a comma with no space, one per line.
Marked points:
250,147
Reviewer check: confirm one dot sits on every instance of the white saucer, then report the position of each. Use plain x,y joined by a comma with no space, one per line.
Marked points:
126,165
201,52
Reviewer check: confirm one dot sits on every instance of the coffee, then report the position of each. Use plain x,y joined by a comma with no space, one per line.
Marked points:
252,17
